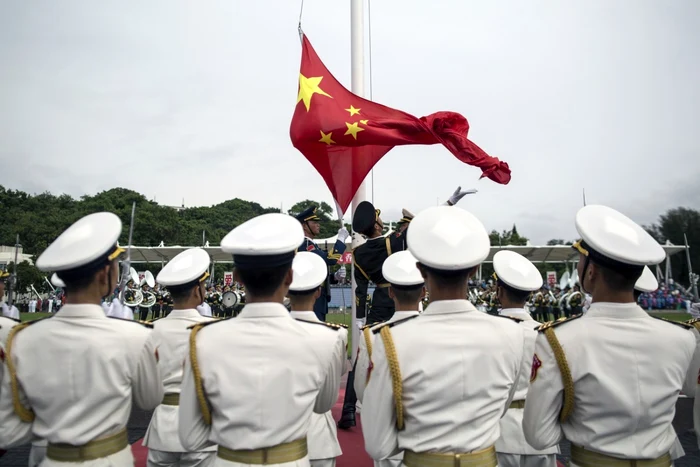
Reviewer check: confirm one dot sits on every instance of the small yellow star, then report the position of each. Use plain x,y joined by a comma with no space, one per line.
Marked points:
353,110
326,138
307,88
364,122
353,129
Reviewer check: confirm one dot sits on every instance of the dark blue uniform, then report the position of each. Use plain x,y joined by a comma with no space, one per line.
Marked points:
331,258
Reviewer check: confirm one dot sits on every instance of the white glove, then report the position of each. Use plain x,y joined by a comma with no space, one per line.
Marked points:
360,322
341,273
343,234
459,194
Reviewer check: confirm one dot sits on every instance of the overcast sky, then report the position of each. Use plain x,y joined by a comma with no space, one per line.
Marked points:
193,100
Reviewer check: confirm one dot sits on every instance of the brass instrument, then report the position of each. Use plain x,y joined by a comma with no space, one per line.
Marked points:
149,298
133,297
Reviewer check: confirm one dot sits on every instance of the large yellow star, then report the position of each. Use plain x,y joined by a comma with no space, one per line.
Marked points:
353,129
353,110
307,88
326,138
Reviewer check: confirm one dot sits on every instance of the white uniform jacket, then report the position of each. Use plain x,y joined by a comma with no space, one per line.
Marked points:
323,434
263,373
512,440
459,369
79,372
171,337
363,358
627,369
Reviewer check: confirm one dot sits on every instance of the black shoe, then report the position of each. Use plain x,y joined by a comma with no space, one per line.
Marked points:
347,420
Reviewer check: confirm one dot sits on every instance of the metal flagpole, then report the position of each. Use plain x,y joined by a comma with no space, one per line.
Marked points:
693,280
12,290
357,54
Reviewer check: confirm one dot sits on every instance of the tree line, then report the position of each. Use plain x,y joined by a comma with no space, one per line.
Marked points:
39,219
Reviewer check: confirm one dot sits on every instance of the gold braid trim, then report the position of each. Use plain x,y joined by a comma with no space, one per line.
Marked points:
24,413
396,382
368,341
199,387
388,246
566,378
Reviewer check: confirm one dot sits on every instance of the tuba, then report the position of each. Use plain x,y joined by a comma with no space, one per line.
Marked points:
133,297
149,298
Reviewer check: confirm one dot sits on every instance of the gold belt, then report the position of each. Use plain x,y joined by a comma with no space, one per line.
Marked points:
517,405
585,458
171,399
383,286
92,450
286,452
484,458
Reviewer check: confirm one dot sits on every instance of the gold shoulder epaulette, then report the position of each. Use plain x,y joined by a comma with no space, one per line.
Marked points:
207,323
677,323
137,321
26,414
370,326
378,329
333,326
551,324
693,321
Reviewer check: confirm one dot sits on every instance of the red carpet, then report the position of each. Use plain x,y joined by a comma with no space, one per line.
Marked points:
351,442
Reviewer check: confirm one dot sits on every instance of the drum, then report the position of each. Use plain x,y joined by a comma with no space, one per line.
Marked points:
230,299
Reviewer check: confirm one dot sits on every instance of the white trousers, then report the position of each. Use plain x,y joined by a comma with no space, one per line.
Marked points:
323,462
37,454
180,459
525,460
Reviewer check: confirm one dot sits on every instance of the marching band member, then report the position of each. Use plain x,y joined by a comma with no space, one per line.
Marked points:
251,383
310,273
8,312
63,371
368,259
184,276
516,278
310,223
575,301
585,368
406,289
426,366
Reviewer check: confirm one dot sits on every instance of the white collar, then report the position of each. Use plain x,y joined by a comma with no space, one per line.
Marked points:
519,313
305,316
186,313
264,310
442,307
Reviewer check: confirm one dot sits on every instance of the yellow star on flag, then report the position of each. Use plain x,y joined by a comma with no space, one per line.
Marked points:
353,129
364,122
308,87
326,138
353,110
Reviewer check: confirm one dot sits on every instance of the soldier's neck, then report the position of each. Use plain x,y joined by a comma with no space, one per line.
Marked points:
405,306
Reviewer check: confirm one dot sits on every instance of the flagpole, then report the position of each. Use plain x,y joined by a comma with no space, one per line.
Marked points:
357,55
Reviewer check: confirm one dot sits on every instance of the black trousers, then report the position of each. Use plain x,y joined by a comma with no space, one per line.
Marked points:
350,399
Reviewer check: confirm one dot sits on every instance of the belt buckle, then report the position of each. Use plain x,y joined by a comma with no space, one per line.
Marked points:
264,455
458,460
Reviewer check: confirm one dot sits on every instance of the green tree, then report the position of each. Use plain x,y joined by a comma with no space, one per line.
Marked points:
672,226
329,224
507,237
28,275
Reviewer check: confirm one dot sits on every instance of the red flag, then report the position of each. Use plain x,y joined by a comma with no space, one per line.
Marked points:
344,135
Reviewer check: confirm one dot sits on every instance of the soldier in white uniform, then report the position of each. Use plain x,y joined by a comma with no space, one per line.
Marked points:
7,311
406,286
250,383
38,450
441,381
516,278
184,276
609,380
310,273
72,378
